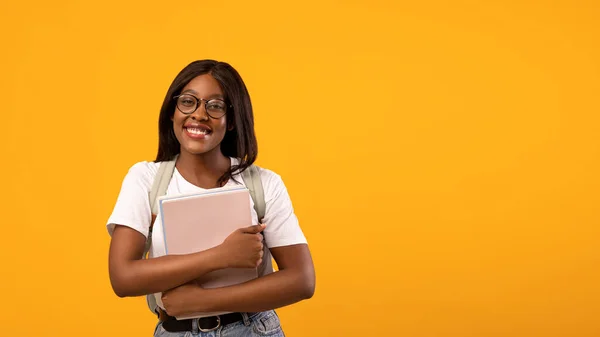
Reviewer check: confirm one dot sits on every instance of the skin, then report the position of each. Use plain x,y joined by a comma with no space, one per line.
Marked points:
202,163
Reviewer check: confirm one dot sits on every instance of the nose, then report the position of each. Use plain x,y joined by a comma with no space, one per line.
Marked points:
200,113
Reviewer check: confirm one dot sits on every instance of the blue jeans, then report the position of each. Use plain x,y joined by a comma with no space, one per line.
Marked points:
253,325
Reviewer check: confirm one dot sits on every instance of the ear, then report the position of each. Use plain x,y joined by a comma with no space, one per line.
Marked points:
230,125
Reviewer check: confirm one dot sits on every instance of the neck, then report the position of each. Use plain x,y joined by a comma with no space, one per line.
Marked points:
203,170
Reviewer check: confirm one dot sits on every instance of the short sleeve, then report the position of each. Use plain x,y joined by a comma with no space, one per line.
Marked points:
283,228
132,208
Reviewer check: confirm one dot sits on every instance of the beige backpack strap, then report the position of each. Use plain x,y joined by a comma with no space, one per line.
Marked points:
159,188
251,177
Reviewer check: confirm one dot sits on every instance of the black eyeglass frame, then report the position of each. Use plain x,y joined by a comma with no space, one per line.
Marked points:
199,102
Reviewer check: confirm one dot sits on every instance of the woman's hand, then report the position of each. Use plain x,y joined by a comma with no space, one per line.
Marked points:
243,248
294,282
180,300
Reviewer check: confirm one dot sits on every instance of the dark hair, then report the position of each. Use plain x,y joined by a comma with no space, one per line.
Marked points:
239,142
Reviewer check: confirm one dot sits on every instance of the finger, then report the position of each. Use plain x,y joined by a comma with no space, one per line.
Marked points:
253,229
259,262
259,237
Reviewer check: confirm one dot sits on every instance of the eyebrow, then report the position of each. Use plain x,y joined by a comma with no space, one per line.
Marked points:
192,91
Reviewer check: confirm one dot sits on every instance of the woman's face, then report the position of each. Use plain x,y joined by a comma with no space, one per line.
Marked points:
197,132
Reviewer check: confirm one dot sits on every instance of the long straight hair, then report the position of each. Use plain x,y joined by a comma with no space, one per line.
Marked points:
240,138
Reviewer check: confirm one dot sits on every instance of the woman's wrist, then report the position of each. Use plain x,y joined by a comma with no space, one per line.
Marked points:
216,258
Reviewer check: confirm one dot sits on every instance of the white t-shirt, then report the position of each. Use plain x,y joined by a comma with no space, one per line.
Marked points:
132,209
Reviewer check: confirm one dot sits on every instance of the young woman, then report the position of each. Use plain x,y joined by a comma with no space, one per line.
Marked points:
206,123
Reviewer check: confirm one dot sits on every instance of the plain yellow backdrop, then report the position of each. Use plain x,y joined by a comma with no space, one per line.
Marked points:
443,157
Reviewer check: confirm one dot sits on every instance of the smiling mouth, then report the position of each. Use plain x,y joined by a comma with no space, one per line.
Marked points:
197,131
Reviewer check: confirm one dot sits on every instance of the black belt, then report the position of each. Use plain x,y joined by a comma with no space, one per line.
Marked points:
205,324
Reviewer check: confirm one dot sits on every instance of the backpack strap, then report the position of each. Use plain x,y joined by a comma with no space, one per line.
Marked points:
161,182
159,188
251,177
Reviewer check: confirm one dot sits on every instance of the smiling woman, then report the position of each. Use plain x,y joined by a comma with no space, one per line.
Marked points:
200,132
206,126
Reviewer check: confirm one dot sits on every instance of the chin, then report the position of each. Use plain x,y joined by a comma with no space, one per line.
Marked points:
197,150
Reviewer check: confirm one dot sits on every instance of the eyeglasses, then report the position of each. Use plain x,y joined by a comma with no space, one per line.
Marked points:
187,104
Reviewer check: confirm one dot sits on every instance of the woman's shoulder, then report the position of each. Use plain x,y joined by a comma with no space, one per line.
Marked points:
267,174
144,168
142,172
271,180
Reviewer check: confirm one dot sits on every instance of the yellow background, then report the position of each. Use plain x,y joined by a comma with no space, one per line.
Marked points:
443,157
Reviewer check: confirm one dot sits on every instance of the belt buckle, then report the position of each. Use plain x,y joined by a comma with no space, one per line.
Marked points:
209,329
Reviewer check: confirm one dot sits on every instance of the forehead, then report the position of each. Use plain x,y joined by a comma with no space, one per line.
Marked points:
204,85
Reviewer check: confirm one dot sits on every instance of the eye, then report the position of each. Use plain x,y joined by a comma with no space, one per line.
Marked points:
187,101
216,105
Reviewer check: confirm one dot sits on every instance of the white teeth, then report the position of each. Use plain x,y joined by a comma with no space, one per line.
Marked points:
197,131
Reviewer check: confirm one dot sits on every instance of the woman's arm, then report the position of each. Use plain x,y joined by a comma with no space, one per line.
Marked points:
131,275
294,282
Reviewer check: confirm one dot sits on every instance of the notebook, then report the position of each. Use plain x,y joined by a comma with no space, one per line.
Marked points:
196,222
